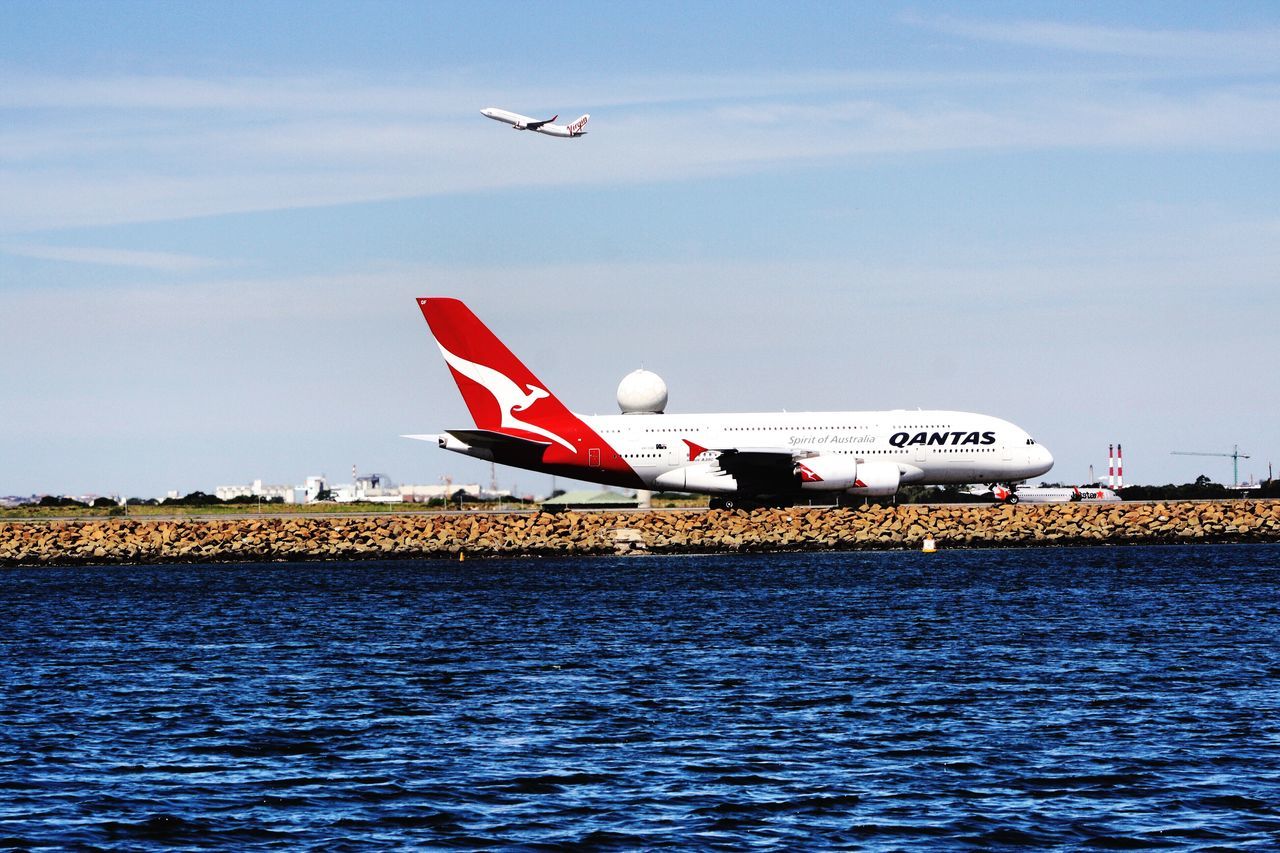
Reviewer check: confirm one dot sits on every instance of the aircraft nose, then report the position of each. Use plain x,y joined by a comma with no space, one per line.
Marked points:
1042,458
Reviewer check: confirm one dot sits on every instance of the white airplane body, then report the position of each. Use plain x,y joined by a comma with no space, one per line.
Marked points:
546,126
740,458
1053,495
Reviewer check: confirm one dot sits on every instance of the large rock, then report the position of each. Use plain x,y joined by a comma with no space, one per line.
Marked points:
440,534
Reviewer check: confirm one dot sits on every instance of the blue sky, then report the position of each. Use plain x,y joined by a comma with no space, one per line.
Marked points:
214,218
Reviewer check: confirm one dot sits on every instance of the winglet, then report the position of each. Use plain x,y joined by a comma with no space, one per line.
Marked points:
695,450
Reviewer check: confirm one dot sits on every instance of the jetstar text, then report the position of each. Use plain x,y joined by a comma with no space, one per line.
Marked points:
905,439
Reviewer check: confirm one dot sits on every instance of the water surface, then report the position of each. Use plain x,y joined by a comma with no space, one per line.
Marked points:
1108,697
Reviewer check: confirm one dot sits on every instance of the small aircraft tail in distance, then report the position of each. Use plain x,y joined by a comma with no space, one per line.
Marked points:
544,126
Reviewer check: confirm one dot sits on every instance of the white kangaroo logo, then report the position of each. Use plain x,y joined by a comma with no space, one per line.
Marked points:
509,396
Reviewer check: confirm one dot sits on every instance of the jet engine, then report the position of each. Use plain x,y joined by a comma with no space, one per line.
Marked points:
877,478
827,473
842,474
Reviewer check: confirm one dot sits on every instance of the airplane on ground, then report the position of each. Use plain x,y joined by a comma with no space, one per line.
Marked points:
741,460
1051,495
519,122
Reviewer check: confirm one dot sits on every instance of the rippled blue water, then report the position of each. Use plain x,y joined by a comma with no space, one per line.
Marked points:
1109,697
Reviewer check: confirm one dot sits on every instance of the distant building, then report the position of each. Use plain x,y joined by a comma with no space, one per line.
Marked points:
311,489
255,490
370,488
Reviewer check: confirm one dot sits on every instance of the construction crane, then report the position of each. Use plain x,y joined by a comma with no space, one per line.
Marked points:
1235,455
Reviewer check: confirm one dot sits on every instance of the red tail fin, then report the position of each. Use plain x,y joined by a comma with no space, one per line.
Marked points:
500,392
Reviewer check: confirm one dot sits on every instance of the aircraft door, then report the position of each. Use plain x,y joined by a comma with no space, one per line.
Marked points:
671,456
593,457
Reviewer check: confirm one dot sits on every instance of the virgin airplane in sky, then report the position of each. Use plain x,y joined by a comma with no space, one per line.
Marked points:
520,122
740,459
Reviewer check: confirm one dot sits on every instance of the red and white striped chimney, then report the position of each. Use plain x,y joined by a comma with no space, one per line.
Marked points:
1111,466
1119,466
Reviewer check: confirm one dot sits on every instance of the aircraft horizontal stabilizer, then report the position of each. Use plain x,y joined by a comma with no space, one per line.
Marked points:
492,438
498,446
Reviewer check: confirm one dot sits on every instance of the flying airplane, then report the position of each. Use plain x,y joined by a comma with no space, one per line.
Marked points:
741,460
519,122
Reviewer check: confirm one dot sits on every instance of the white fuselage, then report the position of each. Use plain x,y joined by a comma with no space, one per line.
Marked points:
1050,495
523,122
928,447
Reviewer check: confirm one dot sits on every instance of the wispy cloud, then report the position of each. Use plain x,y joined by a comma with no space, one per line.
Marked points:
1069,310
1225,48
352,95
159,261
92,152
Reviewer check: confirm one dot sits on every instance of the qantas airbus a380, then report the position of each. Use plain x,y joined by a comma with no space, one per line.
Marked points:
739,459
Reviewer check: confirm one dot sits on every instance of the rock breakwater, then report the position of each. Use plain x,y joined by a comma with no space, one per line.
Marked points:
448,535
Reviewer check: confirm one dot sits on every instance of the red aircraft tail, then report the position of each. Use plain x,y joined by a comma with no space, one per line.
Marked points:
500,392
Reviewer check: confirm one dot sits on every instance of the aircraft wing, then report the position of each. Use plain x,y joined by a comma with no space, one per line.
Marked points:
761,457
534,125
759,469
767,457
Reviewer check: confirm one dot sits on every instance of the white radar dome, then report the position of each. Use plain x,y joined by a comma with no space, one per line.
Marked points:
641,393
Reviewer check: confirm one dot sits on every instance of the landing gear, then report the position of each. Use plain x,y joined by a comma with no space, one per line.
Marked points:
736,503
1004,494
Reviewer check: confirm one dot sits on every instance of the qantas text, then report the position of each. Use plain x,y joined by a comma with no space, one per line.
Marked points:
902,439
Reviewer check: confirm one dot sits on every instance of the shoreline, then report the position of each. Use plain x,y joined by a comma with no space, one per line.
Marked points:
523,534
